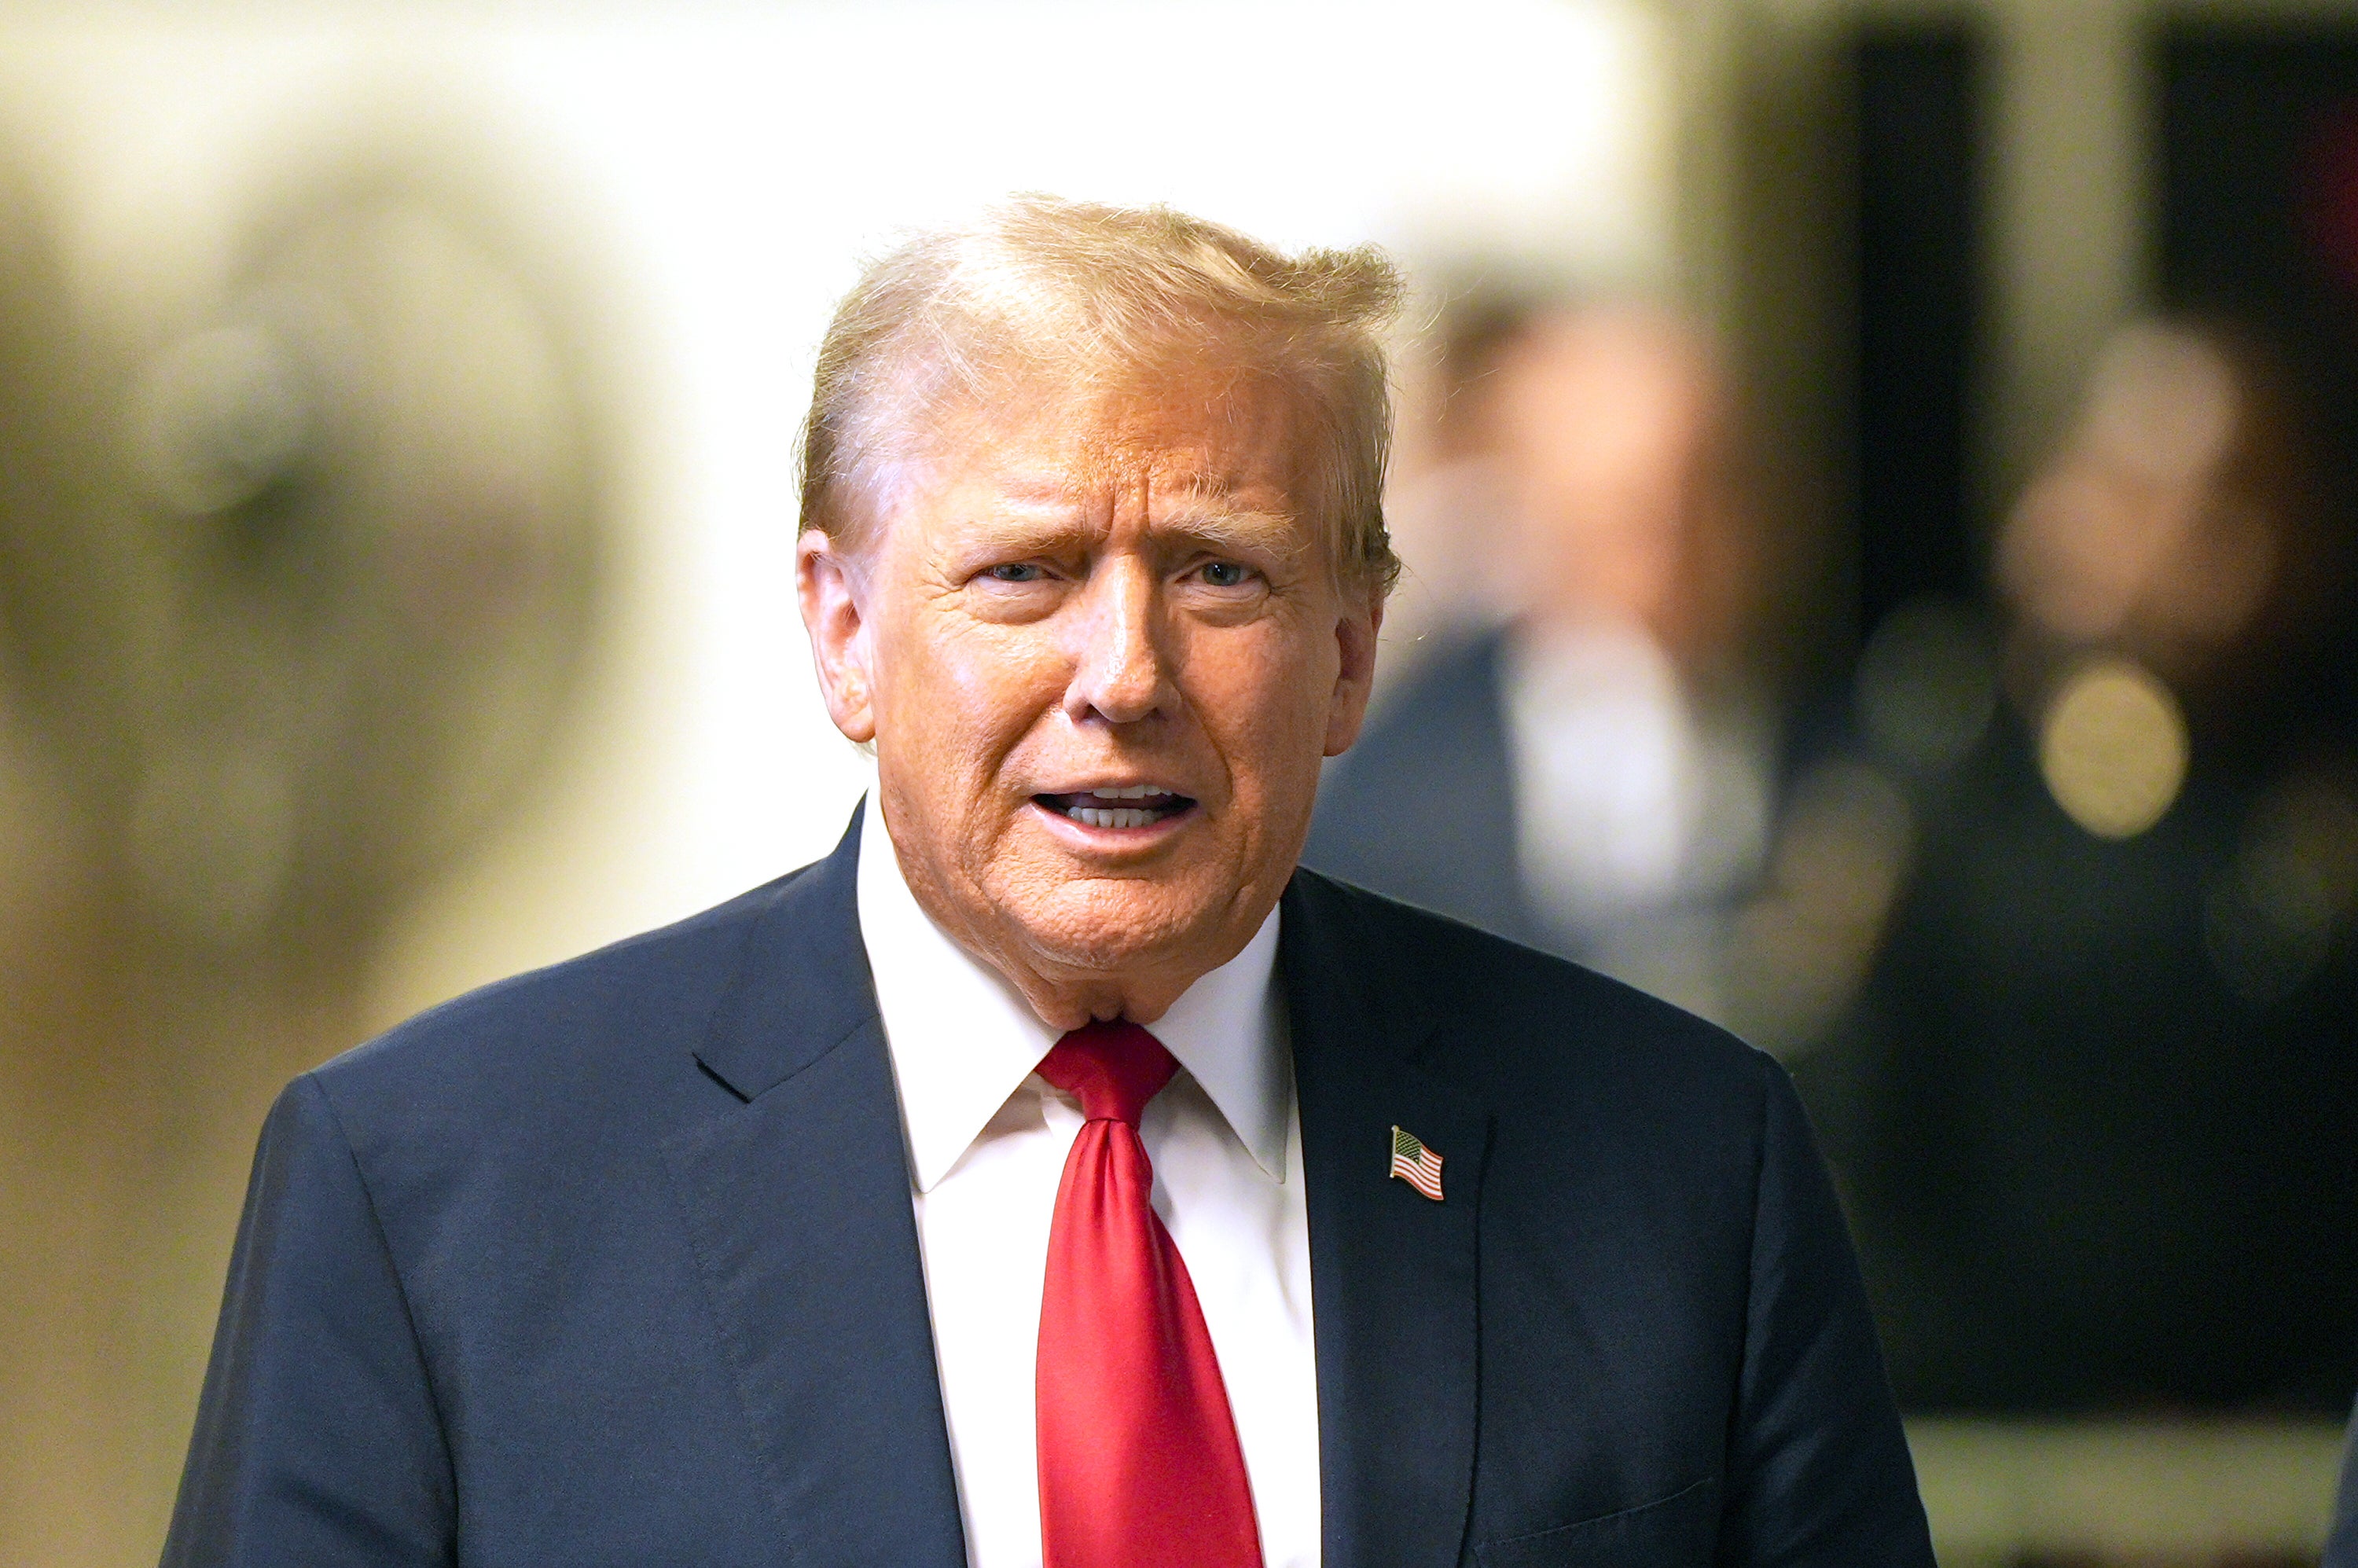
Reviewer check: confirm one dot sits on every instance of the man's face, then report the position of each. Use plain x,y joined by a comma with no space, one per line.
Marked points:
1102,650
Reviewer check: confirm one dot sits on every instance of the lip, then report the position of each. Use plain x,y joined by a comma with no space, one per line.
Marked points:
1095,840
1112,787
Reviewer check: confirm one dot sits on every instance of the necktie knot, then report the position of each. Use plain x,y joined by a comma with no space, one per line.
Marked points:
1114,1068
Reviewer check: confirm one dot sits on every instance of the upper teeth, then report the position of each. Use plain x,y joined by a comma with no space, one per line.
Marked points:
1113,817
1129,791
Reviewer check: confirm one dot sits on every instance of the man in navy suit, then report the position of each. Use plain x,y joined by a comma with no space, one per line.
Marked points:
1055,1173
1595,777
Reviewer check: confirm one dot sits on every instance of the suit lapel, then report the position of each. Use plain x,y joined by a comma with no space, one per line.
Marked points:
796,1192
1392,1272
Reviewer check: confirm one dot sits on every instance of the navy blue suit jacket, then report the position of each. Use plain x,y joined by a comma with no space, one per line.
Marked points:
615,1263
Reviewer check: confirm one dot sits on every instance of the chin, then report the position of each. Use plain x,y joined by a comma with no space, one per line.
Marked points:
1113,927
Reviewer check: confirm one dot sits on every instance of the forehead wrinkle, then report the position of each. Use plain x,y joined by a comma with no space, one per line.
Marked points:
1030,488
1089,468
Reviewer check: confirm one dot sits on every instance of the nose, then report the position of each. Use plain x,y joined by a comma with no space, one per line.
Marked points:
1120,674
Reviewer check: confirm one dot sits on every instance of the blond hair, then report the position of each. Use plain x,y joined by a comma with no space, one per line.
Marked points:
1045,294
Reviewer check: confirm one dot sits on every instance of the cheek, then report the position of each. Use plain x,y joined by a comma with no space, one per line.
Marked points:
1263,693
957,694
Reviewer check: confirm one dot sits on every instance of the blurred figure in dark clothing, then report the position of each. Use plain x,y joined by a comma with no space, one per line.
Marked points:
1593,776
2097,1105
2342,1549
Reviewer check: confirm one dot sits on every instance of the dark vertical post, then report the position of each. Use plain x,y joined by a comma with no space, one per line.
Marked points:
1918,100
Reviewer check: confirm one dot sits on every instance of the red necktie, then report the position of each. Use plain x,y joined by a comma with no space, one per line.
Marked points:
1139,1462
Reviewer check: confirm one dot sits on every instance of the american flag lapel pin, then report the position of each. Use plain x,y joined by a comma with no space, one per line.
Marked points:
1414,1163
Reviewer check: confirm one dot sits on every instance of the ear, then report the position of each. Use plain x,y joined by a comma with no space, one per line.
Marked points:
832,587
1355,674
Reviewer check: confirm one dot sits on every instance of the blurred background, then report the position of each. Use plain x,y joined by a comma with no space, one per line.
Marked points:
1876,483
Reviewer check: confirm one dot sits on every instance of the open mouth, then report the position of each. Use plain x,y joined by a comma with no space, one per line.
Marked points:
1135,805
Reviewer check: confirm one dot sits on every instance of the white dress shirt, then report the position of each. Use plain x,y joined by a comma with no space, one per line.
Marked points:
1640,820
986,1143
1624,799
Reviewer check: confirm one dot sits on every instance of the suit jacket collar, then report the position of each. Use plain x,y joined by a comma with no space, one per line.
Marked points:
795,1190
1393,1274
801,986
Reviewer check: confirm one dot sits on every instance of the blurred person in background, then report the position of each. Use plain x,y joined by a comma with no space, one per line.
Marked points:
1594,777
2342,1547
1446,498
2094,1104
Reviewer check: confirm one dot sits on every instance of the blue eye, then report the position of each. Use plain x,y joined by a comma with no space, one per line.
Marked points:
1225,574
1017,572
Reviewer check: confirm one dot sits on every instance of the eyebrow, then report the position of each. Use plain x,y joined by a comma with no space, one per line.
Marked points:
1041,517
1236,528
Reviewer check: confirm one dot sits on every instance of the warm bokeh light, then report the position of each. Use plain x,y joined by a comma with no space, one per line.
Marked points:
2113,748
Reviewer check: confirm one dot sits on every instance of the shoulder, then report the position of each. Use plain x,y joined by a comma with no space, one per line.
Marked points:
1458,974
1531,1033
609,1030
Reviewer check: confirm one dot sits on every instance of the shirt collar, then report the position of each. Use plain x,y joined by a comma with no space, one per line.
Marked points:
963,1040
